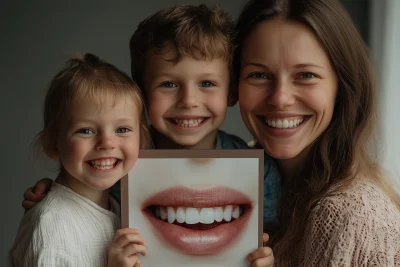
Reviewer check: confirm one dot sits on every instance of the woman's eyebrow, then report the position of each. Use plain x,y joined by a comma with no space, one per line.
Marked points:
305,65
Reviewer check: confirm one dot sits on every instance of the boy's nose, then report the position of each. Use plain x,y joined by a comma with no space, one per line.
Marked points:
188,98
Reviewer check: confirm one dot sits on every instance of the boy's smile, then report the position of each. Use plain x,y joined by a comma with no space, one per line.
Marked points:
187,100
188,122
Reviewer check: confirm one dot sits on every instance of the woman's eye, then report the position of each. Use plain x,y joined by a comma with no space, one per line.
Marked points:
207,84
307,75
258,75
85,131
168,85
123,130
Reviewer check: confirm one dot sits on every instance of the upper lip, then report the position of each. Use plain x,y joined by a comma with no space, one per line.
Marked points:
184,196
186,117
104,158
279,115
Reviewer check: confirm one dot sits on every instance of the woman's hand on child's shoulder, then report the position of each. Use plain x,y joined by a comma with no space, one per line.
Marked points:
262,257
124,249
36,193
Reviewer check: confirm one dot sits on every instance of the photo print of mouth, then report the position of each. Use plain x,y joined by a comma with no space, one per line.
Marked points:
196,207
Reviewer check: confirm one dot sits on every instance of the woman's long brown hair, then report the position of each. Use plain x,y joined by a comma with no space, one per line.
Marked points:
341,153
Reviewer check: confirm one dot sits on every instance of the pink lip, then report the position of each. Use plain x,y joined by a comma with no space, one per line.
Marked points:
187,117
279,115
199,242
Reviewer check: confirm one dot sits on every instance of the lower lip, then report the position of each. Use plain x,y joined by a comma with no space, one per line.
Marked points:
284,133
109,170
182,128
199,242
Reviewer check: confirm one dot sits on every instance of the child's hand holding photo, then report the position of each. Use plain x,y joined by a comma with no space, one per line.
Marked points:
262,257
124,250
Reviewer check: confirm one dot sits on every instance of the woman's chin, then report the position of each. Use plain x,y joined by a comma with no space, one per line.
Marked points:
280,152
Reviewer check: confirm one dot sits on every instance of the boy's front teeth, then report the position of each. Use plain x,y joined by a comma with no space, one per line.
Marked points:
189,123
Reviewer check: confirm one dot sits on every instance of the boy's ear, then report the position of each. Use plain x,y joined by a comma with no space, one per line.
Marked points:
232,98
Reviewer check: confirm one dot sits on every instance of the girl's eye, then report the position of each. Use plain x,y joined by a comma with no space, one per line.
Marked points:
168,85
207,84
85,131
122,130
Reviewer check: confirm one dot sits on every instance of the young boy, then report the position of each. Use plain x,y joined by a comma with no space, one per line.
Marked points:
181,59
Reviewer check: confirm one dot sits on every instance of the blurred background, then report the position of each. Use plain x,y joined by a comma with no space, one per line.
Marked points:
38,36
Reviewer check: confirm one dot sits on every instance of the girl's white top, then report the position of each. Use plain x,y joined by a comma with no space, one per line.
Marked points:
65,229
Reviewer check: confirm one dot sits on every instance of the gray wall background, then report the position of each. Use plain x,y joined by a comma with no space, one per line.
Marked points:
36,39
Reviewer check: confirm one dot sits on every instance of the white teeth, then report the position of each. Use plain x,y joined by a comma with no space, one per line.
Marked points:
228,213
235,213
284,124
180,215
191,215
207,215
218,214
163,214
171,214
189,123
103,164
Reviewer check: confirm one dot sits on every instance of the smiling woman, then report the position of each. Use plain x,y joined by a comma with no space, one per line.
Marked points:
294,75
307,94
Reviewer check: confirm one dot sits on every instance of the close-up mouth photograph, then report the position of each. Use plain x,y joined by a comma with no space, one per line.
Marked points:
199,222
198,211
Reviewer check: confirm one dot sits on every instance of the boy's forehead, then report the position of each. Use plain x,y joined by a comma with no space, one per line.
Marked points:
158,63
169,53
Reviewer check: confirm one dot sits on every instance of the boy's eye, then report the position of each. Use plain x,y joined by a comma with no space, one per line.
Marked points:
122,130
169,85
85,131
206,84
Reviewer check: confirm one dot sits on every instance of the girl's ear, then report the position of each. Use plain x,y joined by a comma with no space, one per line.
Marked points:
52,153
50,148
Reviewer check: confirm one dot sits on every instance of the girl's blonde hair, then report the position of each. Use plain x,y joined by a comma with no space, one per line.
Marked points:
86,77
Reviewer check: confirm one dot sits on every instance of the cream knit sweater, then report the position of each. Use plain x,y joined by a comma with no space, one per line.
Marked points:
359,226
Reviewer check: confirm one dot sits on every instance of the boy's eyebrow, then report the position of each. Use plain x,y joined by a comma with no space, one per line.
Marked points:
172,76
160,75
210,75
